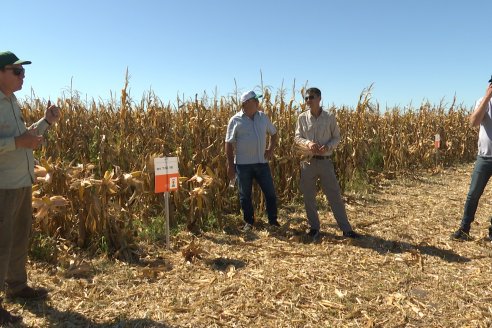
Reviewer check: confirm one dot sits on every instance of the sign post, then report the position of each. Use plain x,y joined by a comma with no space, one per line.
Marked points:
166,180
166,205
437,146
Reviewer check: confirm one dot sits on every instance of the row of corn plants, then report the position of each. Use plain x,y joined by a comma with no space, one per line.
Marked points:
96,167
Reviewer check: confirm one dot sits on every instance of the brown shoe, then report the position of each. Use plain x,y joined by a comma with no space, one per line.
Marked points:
7,318
29,294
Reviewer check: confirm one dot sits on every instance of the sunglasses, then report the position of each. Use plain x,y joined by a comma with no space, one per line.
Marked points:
311,97
16,70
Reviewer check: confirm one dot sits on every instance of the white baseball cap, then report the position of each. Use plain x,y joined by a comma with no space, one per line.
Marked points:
249,95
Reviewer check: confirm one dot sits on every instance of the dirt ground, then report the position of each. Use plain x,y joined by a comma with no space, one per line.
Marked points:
405,272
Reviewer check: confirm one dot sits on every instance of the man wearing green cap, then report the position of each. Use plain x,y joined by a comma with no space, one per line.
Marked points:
16,178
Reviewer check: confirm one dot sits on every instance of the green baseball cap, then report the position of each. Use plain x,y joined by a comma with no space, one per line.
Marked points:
8,58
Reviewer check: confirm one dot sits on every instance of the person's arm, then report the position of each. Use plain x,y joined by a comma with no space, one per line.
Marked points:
335,134
40,127
230,140
301,139
229,150
51,116
271,146
478,114
28,140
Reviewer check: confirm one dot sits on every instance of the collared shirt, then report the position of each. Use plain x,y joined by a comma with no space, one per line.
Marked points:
485,132
249,137
16,164
322,130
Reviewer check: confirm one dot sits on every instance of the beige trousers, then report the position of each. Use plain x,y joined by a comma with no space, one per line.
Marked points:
311,172
15,228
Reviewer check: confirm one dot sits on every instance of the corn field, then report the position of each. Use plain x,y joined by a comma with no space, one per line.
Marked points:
96,167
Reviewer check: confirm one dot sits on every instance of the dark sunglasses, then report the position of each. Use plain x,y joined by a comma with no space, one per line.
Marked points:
311,97
16,70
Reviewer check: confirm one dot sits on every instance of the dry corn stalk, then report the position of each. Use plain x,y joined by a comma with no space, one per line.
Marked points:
113,169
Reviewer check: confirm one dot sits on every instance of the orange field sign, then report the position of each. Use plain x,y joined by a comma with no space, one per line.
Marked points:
166,174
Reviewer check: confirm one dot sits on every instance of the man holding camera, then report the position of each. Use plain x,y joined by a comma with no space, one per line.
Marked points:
482,117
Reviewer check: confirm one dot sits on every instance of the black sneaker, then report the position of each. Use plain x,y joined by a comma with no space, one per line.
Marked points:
274,223
352,234
461,234
313,234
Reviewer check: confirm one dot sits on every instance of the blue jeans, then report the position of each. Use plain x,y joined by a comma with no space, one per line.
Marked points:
261,173
480,176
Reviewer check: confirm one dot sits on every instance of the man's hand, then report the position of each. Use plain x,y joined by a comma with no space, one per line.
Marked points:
323,149
231,171
488,92
28,140
52,113
478,114
268,154
314,147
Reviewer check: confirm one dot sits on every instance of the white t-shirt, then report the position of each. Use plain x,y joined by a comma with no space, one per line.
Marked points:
485,133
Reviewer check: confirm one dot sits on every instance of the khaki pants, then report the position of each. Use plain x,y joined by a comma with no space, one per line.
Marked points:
15,228
310,173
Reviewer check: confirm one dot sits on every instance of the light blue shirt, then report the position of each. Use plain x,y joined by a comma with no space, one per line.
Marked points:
16,164
249,137
485,132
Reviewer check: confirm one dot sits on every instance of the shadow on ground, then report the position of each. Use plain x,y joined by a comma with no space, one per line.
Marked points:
222,263
383,246
63,319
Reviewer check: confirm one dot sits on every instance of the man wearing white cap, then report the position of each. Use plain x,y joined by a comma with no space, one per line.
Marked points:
247,156
16,177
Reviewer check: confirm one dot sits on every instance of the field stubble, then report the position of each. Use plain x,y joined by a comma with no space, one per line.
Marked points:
404,273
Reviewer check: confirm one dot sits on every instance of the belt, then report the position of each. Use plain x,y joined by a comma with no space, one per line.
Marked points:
321,157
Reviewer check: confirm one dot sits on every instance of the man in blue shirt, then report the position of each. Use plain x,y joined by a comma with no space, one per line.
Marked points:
246,139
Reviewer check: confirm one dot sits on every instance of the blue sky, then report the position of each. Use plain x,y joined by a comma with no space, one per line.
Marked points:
411,50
